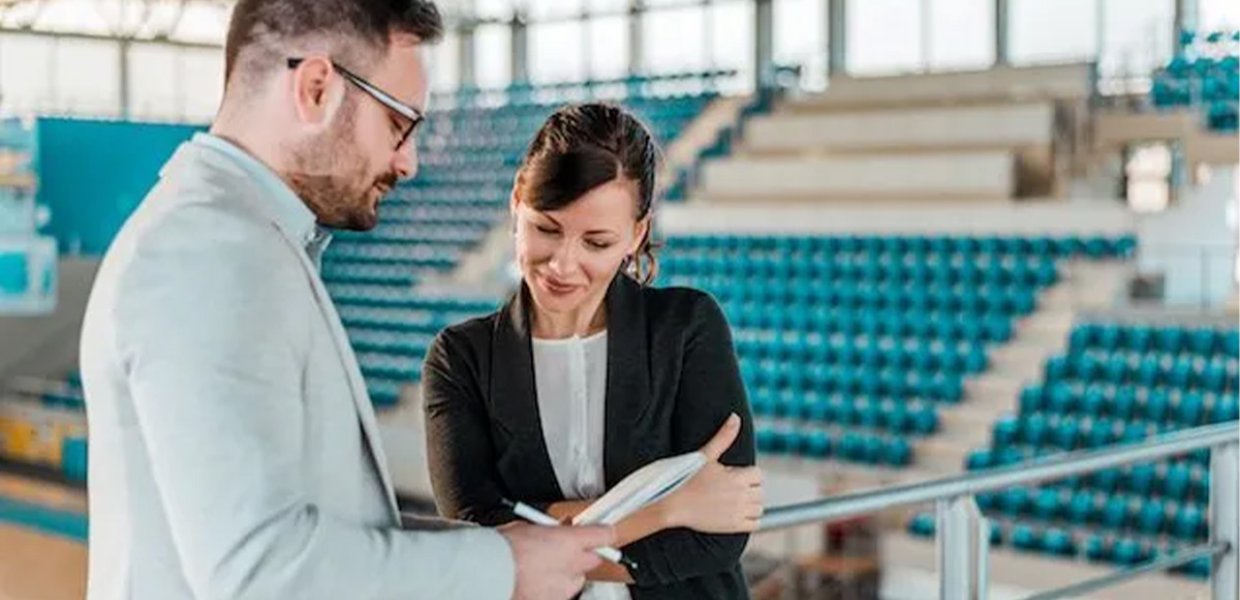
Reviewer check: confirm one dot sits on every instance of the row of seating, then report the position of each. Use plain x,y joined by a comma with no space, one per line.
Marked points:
1047,435
895,416
854,380
632,88
430,255
1120,550
418,233
407,343
520,117
1204,73
1071,246
1147,370
742,270
442,214
843,360
1160,406
851,446
448,196
799,330
862,297
861,347
1117,512
1170,339
397,319
362,272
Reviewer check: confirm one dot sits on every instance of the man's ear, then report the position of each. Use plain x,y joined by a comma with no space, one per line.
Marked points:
313,90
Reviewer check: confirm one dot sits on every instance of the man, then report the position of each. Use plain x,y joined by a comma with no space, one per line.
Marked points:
234,452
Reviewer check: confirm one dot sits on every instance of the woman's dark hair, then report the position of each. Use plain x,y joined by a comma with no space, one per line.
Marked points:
583,146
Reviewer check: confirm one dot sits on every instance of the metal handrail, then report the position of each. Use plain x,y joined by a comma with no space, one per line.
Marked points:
1052,467
1153,566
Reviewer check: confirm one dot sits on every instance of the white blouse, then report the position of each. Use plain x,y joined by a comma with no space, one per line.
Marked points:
570,378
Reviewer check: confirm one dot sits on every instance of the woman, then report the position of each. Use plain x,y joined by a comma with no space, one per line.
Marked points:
588,374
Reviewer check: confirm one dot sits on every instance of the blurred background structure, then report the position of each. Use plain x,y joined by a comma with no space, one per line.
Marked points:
950,236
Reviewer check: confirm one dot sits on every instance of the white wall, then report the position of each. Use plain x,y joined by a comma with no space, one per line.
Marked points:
1193,243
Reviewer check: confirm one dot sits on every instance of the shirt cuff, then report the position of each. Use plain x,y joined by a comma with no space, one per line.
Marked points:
492,550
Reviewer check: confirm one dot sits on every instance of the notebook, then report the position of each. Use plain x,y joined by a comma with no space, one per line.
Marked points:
642,487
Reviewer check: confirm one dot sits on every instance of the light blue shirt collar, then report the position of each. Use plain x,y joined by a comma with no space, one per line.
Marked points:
291,213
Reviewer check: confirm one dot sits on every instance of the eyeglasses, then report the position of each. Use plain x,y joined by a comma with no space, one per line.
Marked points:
409,113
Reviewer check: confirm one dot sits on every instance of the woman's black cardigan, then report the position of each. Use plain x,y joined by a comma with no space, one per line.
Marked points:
672,380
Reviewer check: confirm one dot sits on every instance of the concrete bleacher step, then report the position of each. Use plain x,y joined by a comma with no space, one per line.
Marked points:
1065,82
984,175
1015,569
682,152
1116,128
1026,127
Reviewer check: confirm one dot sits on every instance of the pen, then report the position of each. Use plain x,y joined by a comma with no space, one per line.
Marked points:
538,517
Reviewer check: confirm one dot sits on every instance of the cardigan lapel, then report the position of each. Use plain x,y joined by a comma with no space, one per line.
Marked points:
628,380
514,396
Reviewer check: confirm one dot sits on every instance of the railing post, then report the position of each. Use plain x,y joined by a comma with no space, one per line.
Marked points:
963,541
1224,521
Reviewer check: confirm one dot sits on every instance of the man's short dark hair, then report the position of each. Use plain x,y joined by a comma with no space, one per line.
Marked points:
351,31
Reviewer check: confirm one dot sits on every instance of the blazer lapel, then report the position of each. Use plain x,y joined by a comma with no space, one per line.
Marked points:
628,379
361,397
514,396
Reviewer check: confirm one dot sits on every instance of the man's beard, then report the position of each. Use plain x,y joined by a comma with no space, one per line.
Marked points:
330,176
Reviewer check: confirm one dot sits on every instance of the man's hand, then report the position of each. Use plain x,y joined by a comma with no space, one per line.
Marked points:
552,562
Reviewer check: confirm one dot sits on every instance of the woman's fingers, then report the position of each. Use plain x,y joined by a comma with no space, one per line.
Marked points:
751,476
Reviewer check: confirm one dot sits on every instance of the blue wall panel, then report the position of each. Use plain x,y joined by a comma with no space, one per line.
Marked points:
92,174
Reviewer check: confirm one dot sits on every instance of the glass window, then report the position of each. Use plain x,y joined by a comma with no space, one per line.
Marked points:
493,56
493,9
555,52
1049,31
1137,37
25,61
445,64
607,6
153,84
884,36
732,42
674,40
800,32
961,34
609,47
554,8
202,22
202,79
1215,15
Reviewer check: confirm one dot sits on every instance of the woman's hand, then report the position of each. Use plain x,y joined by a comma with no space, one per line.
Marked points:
719,498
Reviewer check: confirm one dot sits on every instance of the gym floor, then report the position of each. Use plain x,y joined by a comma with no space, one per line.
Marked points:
42,540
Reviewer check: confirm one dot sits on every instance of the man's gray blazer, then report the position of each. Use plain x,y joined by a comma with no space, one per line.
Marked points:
233,447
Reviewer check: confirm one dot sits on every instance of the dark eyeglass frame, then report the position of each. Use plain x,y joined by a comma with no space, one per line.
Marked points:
411,114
